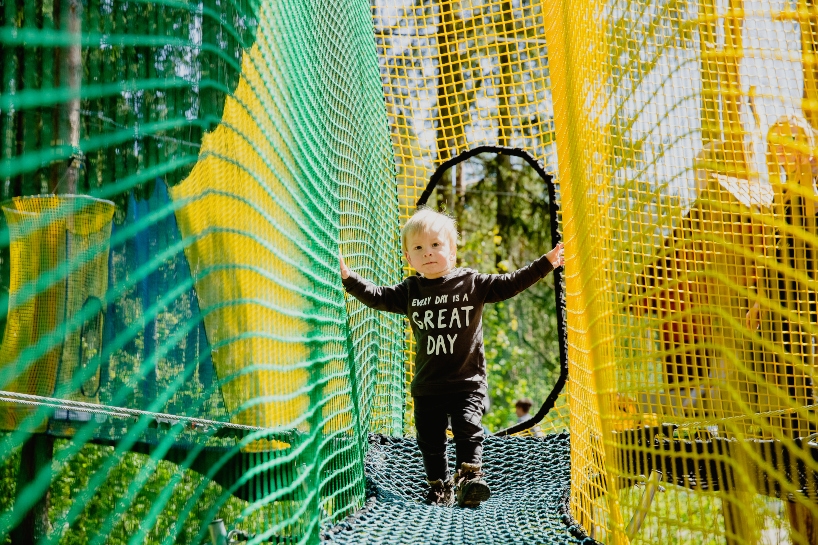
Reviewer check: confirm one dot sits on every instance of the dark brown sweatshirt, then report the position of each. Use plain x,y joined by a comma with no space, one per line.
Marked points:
446,315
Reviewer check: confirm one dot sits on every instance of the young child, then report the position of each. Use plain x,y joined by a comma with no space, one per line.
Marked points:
445,307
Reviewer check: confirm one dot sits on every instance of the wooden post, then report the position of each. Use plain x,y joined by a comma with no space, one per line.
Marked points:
35,456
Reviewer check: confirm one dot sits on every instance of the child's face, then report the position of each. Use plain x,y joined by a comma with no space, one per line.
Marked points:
431,254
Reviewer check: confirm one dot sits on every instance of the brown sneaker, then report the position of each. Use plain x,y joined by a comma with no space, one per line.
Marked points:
440,493
472,490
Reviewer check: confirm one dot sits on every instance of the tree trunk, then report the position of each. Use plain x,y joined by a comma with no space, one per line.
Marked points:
460,202
449,85
505,48
35,456
68,16
444,192
506,183
504,218
802,522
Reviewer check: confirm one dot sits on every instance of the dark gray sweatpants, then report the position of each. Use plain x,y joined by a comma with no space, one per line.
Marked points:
431,421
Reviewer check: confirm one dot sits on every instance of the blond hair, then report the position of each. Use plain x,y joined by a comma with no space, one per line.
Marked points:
426,220
803,138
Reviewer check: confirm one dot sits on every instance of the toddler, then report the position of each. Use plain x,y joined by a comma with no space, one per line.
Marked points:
445,307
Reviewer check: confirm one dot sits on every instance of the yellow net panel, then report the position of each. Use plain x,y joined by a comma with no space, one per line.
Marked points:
688,190
196,313
461,77
685,133
46,233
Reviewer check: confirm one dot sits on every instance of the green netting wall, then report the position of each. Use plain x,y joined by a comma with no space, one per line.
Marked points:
177,181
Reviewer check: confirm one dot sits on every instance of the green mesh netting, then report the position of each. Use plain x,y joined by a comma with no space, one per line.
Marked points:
178,179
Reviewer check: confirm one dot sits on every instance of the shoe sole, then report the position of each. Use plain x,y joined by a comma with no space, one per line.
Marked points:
474,494
442,503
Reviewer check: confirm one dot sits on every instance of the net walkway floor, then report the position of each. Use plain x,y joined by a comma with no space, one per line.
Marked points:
530,482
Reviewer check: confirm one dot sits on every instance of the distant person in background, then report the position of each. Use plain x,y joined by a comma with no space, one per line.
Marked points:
523,406
785,311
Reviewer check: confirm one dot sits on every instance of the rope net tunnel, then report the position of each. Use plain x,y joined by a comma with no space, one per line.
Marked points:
177,347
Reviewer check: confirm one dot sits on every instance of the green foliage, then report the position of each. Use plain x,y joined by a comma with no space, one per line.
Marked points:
667,523
8,482
73,477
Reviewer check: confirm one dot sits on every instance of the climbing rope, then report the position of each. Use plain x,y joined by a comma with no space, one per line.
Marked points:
201,424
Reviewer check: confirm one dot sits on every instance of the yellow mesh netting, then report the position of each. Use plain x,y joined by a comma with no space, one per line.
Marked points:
689,216
458,77
686,184
232,219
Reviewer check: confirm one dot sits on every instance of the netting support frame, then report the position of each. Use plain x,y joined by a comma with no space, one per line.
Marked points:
553,210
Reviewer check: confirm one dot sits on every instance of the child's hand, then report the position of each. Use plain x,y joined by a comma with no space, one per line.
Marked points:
556,256
344,268
753,318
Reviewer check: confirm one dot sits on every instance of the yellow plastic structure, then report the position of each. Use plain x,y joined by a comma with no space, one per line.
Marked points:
63,242
239,230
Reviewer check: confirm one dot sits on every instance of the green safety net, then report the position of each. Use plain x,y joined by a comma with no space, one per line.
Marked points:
177,181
